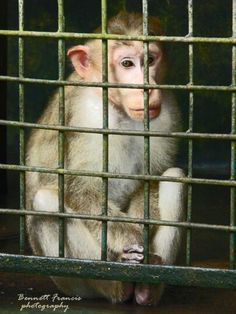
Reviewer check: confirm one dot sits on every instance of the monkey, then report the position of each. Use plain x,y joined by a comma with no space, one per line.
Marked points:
84,151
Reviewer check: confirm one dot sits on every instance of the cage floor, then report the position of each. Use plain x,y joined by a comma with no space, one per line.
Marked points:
176,300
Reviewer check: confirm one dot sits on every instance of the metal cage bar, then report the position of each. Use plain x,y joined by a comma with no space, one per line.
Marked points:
68,35
175,275
233,146
146,128
191,225
190,141
105,126
102,174
188,87
61,118
21,130
183,135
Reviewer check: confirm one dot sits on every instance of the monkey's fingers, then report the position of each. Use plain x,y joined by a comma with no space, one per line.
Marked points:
132,257
133,248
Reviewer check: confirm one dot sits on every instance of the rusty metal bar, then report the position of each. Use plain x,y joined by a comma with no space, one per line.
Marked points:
190,225
233,147
102,174
184,135
61,119
190,141
174,275
21,130
188,87
146,232
105,126
67,35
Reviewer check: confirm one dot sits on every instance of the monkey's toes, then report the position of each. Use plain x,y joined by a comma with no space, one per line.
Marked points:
155,259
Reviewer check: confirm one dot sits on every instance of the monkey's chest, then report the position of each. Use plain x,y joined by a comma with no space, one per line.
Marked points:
125,157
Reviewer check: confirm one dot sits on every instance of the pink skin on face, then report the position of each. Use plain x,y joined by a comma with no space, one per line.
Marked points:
127,67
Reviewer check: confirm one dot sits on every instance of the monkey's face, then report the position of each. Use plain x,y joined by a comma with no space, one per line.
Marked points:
126,66
126,62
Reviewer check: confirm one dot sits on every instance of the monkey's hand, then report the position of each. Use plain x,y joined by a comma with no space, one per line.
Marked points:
133,254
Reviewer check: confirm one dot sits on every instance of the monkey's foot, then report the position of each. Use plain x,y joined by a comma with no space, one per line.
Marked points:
133,254
144,293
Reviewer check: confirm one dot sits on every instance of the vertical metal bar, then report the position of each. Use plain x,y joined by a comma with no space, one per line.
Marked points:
233,147
3,98
105,126
146,128
21,119
61,76
190,142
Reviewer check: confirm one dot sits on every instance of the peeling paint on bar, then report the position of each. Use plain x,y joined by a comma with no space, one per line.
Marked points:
174,275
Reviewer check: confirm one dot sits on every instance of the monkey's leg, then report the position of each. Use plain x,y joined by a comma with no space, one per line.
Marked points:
166,240
43,235
79,243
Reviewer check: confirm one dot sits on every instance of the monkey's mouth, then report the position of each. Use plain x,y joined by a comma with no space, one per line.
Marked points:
153,111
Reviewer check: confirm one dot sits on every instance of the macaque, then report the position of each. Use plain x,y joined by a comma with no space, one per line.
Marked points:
84,151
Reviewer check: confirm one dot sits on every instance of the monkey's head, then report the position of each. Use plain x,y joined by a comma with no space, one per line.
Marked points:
125,65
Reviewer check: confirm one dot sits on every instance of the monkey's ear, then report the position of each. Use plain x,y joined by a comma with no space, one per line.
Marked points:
79,58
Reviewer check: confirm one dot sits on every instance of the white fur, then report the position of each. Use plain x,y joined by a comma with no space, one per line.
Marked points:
171,207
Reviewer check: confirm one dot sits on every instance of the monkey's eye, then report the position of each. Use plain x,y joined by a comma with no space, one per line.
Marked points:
127,63
150,60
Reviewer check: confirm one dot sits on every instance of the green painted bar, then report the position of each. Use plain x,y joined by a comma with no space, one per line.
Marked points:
174,275
61,119
232,240
122,219
190,142
21,119
189,135
228,89
146,232
102,174
67,35
105,126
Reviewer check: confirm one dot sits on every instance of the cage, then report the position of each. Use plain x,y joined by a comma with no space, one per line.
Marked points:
200,40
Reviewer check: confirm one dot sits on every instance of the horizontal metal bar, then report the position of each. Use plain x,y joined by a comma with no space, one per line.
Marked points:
102,174
174,275
188,87
67,35
191,225
187,135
